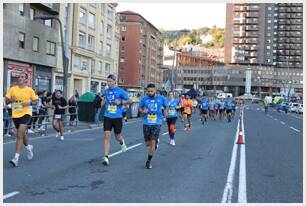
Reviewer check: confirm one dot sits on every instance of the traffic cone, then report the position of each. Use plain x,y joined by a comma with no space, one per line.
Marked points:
240,138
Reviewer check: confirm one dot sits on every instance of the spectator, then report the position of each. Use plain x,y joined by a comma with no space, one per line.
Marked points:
72,109
97,106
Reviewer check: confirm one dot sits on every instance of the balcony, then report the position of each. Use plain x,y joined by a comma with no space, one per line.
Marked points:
252,34
253,8
251,41
252,21
239,21
252,15
251,28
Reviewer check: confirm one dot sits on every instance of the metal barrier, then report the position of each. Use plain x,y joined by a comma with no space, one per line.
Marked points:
44,124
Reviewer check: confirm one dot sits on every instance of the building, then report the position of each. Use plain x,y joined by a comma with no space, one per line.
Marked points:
195,59
229,78
29,46
92,49
141,52
265,34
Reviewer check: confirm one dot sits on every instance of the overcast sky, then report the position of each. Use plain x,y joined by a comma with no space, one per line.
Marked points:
173,16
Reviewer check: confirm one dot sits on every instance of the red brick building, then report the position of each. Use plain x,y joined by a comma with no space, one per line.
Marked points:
140,52
191,59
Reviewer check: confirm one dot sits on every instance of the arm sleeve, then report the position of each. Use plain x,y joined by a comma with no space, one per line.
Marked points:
33,95
166,102
125,95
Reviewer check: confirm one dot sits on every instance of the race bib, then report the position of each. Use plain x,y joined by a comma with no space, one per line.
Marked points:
171,112
18,106
58,116
112,108
152,117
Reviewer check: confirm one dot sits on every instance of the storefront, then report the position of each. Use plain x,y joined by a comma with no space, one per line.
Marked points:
42,78
12,71
94,86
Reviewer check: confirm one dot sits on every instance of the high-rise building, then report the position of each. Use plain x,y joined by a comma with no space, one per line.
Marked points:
141,52
264,34
29,46
93,46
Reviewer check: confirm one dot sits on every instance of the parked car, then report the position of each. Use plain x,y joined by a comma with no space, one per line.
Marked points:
293,107
300,109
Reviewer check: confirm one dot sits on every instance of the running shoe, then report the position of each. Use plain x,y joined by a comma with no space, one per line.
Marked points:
57,135
172,142
105,161
30,152
14,162
185,129
189,129
148,165
30,131
123,146
62,138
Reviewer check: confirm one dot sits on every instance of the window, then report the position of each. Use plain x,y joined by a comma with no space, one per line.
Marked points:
82,16
109,31
122,59
21,9
35,43
84,65
91,21
269,8
107,68
123,28
123,38
102,27
48,22
102,9
110,13
82,39
32,13
108,49
122,48
21,40
51,48
91,42
77,62
101,47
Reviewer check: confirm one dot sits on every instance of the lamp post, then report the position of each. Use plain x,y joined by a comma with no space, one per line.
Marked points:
65,59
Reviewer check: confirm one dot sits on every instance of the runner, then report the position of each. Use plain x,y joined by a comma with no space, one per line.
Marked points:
59,104
212,111
204,102
151,106
182,100
229,108
187,104
21,97
172,116
217,107
115,98
221,108
125,108
234,104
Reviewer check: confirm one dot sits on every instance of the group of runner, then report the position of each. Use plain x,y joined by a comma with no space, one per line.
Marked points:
155,109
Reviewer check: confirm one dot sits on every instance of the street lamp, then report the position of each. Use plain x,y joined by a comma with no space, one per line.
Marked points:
65,58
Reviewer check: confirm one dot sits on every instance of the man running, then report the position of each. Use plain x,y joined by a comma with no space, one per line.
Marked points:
151,106
21,97
59,104
212,110
187,104
115,98
204,102
229,107
217,107
174,105
221,108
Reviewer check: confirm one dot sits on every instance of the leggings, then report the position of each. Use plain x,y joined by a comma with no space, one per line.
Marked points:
171,123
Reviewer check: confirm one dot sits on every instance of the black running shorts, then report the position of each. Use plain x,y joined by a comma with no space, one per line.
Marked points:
203,111
228,111
151,132
110,123
22,120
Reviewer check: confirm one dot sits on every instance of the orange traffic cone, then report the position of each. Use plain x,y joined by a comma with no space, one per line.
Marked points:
240,138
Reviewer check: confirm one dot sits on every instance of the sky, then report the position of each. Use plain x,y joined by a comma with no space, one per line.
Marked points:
175,16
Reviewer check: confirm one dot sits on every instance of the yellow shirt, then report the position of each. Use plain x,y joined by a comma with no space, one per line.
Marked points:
23,95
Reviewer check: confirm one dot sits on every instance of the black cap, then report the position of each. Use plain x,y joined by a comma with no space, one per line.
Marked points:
111,76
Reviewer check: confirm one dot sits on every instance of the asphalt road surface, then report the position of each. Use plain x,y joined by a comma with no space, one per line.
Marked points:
205,166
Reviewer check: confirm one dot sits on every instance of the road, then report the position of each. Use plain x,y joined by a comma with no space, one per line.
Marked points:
201,168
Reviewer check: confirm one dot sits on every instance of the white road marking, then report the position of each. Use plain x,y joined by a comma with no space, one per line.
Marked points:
165,133
295,129
129,148
228,189
242,188
70,133
10,195
283,123
275,119
257,109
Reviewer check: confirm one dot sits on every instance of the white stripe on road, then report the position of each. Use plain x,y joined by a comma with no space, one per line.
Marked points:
275,119
242,189
10,195
283,123
228,189
129,148
165,133
295,129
